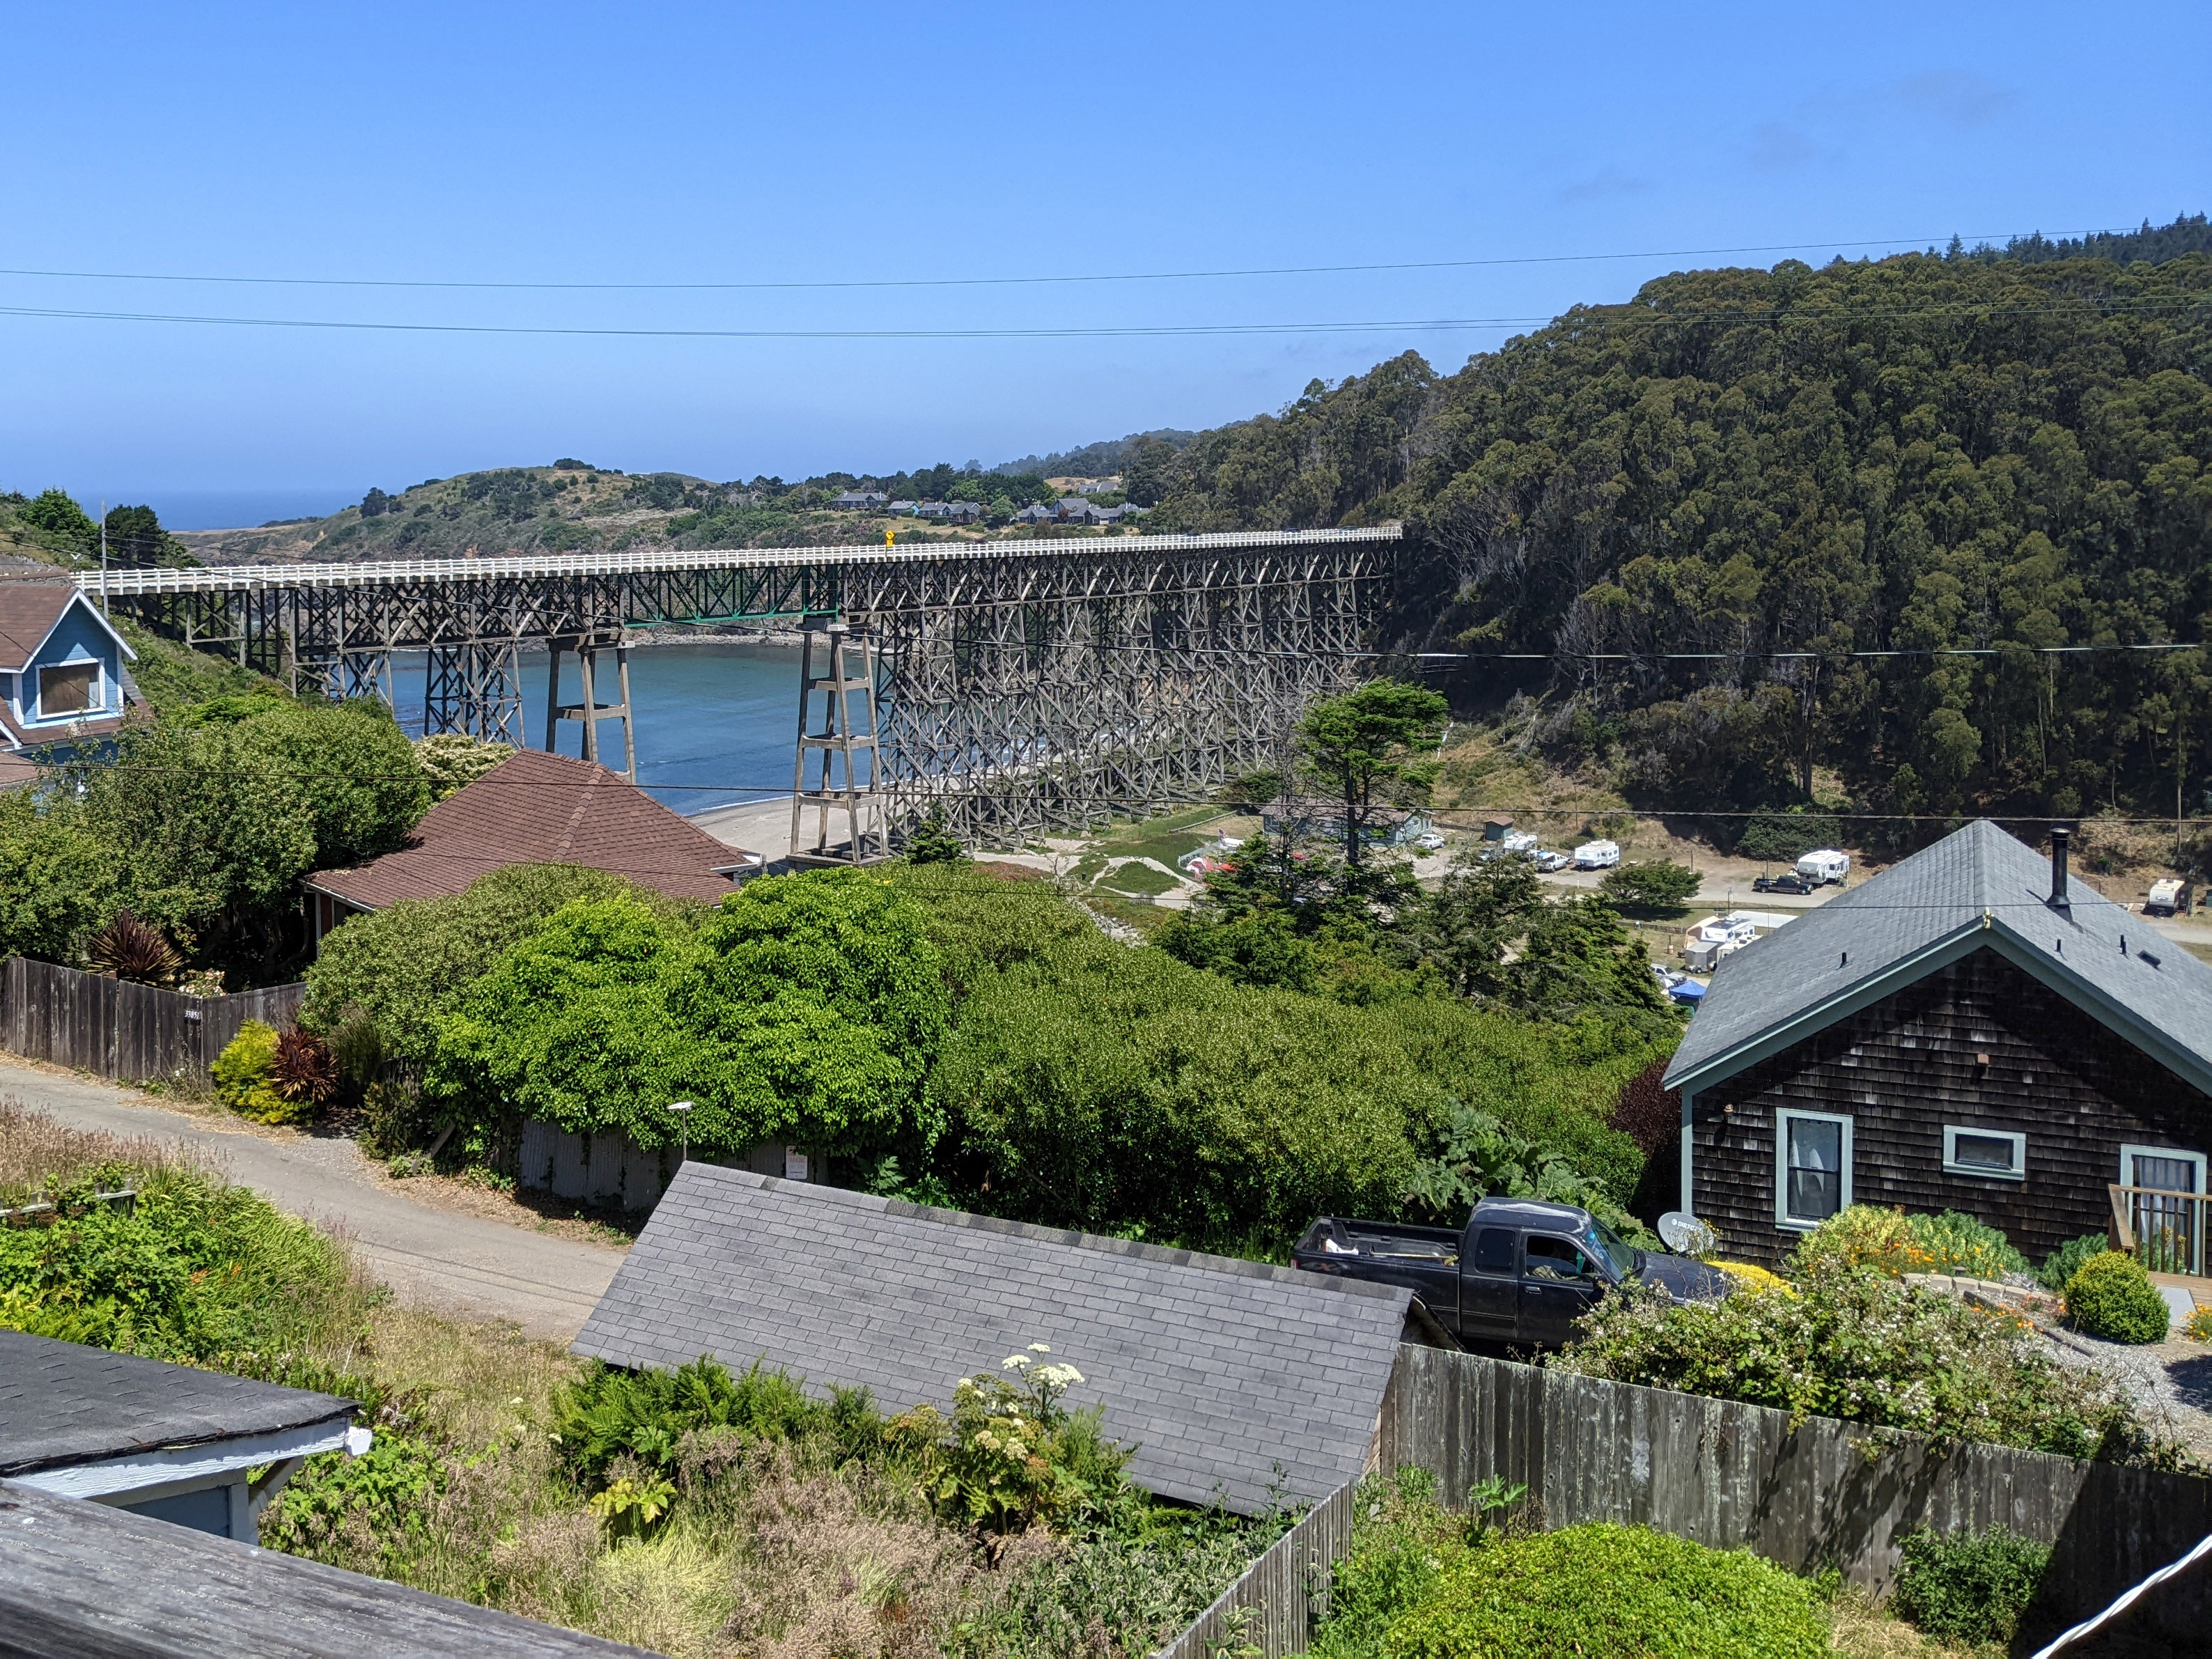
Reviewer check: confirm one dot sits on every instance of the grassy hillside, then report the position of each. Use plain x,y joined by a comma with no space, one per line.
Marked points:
573,506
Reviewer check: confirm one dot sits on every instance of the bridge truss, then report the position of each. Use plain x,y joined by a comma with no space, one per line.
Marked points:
1023,685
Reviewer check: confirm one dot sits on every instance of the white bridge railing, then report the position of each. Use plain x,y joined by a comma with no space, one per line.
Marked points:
242,578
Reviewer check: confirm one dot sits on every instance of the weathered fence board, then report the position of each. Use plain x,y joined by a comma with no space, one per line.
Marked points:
1729,1474
95,1024
1272,1606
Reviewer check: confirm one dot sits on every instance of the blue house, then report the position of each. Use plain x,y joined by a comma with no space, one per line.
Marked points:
64,676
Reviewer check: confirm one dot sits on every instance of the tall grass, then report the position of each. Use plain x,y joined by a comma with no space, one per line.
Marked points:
781,1543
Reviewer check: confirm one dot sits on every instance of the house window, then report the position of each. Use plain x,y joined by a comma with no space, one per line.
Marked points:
71,688
1812,1167
2166,1206
1993,1154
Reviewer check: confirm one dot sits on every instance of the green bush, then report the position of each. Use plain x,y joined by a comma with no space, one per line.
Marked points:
1958,1243
2111,1296
386,1495
244,1077
1786,836
220,808
805,1008
2062,1263
1859,1346
1968,1587
1658,885
409,966
1604,1591
194,1271
1105,1087
1013,1455
607,1414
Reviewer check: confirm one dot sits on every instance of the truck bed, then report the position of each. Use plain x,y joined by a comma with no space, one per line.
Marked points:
1381,1241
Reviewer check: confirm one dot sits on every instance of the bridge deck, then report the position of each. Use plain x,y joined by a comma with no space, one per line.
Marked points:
247,577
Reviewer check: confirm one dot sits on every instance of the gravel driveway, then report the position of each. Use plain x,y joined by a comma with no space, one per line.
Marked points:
464,1263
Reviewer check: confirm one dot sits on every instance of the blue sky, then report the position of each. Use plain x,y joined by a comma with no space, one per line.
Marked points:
675,143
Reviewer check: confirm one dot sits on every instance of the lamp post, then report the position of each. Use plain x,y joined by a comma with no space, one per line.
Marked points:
683,1110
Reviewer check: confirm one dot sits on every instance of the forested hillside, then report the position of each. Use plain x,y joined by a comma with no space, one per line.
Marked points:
2007,453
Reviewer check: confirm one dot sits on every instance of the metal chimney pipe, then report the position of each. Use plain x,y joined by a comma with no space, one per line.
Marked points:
2058,840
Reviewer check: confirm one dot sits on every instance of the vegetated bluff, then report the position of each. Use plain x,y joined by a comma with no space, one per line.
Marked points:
1922,452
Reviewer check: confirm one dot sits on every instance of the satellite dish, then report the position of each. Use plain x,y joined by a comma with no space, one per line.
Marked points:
1685,1235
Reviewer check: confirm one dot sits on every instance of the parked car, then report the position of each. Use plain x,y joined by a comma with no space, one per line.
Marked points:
1548,861
1431,843
1521,1270
1825,867
1785,884
1597,855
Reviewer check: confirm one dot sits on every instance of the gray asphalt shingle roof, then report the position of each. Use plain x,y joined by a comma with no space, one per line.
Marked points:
1221,1371
1975,887
62,1403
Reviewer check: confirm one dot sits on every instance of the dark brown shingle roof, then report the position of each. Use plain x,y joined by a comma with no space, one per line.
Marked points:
537,808
29,611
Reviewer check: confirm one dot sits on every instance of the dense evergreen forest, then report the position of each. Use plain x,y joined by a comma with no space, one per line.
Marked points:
2005,450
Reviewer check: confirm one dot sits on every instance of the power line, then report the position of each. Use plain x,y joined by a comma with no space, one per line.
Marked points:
984,281
1606,316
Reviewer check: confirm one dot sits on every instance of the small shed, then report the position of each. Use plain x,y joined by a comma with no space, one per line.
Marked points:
1236,1381
170,1442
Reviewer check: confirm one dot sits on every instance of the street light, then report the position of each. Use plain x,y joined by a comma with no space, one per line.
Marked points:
683,1110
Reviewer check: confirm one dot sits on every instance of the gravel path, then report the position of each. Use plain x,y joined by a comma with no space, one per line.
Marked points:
464,1263
2171,1381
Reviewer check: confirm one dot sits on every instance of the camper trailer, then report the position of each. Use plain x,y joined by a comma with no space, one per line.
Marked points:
2169,898
1597,855
1824,866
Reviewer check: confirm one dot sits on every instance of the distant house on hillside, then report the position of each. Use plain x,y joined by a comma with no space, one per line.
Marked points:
953,512
535,808
861,500
66,681
901,507
1966,1030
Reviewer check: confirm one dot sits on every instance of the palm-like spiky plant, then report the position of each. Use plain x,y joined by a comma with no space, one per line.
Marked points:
305,1071
129,948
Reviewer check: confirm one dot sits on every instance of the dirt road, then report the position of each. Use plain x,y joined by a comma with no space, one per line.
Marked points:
485,1269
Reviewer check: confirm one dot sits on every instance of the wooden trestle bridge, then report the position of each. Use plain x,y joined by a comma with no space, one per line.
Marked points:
1015,686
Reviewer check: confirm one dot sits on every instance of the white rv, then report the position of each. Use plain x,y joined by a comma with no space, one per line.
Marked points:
1825,866
1597,855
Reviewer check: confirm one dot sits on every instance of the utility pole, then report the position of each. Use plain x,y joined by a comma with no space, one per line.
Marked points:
103,555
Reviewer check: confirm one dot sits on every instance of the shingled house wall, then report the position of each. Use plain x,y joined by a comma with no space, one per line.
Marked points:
1905,1067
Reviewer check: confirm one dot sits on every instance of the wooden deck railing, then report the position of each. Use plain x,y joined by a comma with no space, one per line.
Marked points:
2163,1230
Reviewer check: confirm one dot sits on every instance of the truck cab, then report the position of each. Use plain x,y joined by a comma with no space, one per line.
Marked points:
1521,1271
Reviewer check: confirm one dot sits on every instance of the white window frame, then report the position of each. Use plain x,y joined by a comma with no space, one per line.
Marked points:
98,703
2129,1151
1784,1116
1979,1172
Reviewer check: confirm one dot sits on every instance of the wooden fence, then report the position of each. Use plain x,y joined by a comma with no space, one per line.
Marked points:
1272,1606
119,1030
1732,1475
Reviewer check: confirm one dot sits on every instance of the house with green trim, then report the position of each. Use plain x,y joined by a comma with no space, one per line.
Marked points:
1967,1030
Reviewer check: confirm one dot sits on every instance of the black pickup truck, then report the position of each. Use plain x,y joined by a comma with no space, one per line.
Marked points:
1521,1270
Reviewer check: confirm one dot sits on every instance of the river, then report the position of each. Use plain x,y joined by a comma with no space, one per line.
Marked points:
717,720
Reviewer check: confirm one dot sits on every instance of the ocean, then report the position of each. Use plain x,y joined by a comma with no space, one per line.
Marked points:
717,721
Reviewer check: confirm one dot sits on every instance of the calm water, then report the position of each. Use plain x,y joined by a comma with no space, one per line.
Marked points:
715,721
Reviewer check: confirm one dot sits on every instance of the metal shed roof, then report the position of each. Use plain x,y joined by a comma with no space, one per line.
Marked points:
1976,889
1227,1375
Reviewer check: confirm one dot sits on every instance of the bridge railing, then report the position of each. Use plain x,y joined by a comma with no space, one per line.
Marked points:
122,584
